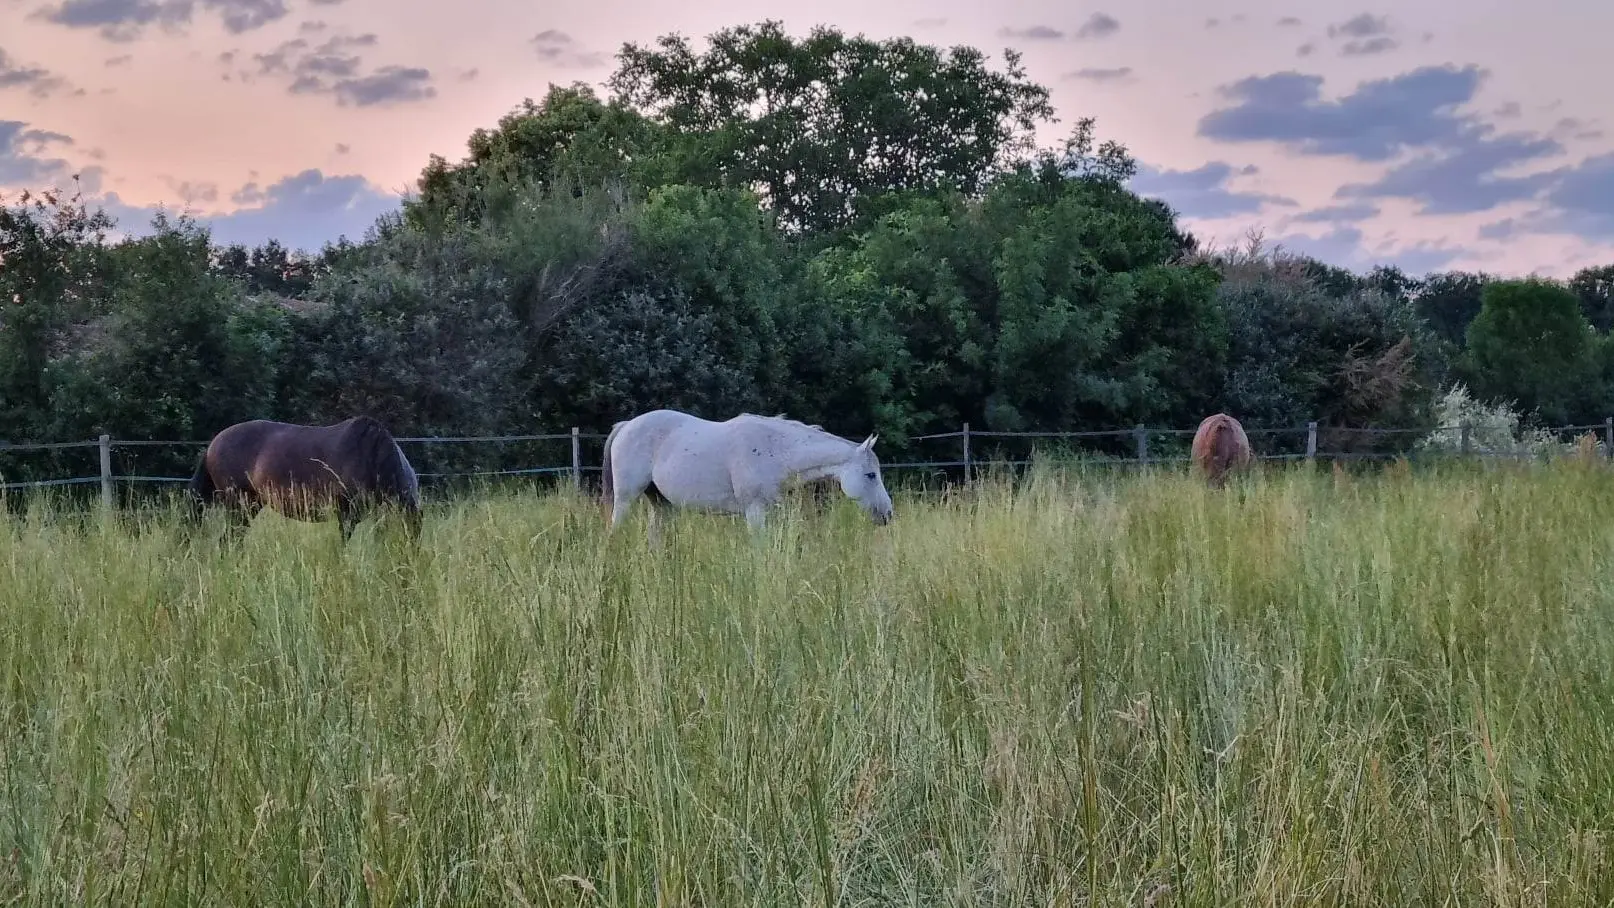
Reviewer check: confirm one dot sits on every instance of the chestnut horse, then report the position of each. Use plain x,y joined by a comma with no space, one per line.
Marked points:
303,471
1220,447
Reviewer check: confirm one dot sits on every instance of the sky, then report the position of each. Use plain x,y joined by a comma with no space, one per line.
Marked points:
1428,134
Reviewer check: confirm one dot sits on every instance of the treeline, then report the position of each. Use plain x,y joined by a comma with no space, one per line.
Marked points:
858,233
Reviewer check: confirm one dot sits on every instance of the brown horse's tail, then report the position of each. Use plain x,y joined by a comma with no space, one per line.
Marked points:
1224,450
1220,449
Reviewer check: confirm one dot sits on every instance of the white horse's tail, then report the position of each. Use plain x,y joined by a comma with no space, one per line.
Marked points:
605,464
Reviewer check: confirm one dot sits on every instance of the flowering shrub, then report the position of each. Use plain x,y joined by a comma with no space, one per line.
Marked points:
1493,429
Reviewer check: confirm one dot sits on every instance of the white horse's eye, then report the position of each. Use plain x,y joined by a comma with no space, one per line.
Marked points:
868,475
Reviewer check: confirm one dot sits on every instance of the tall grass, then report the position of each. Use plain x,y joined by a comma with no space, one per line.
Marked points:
1123,690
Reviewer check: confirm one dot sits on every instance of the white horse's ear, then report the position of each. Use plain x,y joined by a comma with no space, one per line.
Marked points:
868,443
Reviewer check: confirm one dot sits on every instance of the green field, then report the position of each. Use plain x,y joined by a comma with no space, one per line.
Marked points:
1392,689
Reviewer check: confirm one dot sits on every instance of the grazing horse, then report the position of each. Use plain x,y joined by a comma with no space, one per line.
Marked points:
737,466
301,471
1220,447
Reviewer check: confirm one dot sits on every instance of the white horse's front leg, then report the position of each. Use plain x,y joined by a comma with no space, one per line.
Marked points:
653,526
756,514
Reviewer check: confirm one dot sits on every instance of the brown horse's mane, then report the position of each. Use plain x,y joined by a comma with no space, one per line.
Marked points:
378,451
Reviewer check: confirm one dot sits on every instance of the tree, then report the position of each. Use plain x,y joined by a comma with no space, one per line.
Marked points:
1391,281
1094,322
898,343
849,359
1449,301
52,269
570,141
554,249
1056,299
269,268
1530,344
918,290
453,326
181,353
1331,279
1595,288
822,125
1101,249
1082,158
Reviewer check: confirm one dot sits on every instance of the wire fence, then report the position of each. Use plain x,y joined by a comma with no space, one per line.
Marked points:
111,463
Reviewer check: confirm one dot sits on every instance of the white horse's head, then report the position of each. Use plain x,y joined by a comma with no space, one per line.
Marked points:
860,480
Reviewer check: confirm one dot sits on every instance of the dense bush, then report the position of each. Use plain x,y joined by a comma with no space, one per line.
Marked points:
1357,360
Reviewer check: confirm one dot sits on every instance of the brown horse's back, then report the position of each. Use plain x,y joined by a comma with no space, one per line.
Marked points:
1220,447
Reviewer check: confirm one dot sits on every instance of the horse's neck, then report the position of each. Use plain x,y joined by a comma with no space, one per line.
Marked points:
813,474
816,456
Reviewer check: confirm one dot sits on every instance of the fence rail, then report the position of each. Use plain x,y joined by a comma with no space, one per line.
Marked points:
967,457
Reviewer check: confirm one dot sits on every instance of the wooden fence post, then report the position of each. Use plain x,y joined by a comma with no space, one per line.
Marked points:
1465,438
1608,436
577,459
106,472
1311,440
968,472
1142,436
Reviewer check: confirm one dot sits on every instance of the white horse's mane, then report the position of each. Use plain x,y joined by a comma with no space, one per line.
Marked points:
795,422
819,432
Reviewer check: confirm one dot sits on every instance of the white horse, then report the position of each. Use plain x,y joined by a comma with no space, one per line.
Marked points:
738,466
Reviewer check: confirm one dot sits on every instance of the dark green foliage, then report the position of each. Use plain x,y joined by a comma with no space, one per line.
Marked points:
571,141
181,354
688,319
268,269
849,359
1449,301
717,249
828,122
1300,351
1531,345
1055,299
52,261
634,351
1595,289
901,293
1095,277
420,332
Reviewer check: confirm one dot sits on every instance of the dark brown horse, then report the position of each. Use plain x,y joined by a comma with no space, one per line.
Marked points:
303,471
1220,447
